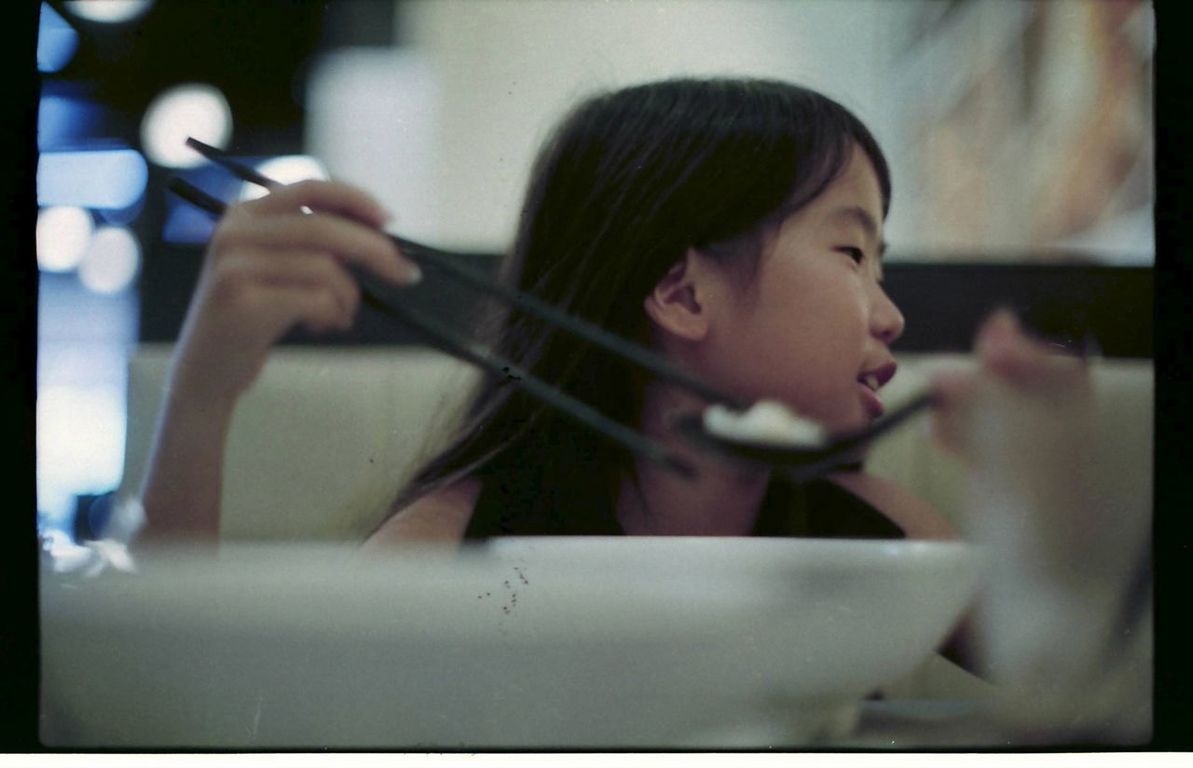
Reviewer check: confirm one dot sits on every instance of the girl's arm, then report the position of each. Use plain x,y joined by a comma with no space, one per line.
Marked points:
440,517
271,265
184,480
916,517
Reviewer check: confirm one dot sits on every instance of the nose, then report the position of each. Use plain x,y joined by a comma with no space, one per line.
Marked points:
886,321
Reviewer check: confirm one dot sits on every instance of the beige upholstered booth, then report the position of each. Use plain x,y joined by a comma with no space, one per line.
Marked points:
326,437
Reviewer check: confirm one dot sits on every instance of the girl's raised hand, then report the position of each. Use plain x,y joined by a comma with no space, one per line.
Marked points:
275,263
1057,494
1014,371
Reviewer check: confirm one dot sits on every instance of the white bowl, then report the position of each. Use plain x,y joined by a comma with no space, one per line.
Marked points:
535,642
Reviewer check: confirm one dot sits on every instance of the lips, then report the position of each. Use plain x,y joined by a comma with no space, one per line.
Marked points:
872,381
870,400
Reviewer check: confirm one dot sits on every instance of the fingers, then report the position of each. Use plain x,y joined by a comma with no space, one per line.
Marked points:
288,305
345,223
1031,371
303,269
275,263
325,196
954,392
1009,354
268,309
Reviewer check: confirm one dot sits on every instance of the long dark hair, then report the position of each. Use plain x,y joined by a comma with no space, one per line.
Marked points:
624,186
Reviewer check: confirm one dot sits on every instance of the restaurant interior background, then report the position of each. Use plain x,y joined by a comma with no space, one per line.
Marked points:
1019,133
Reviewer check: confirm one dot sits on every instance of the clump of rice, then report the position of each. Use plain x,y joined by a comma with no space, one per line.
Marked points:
767,421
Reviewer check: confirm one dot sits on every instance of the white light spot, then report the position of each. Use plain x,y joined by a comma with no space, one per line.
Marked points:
112,260
80,443
286,170
108,11
63,235
194,110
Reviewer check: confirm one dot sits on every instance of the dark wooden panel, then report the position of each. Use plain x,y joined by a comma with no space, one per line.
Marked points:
1112,307
943,303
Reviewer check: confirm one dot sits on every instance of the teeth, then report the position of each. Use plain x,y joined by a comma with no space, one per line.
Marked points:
871,381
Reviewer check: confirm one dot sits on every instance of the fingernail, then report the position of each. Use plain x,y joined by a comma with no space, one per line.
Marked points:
414,275
997,328
1003,320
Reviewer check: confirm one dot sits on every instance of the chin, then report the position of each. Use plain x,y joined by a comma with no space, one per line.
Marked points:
849,422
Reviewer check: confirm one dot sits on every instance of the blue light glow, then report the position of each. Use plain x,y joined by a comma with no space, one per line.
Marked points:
64,121
110,179
57,41
188,225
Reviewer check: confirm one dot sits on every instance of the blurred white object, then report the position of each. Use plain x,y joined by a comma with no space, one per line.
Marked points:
196,110
285,169
126,520
63,234
585,642
1066,517
766,421
373,119
89,559
109,11
111,260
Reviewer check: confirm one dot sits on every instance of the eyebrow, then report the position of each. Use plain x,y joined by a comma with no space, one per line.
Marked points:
862,217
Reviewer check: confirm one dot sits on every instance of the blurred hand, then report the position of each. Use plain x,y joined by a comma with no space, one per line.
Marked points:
1027,373
1057,496
275,263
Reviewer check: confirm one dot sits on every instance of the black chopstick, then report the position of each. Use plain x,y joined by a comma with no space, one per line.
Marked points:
425,255
470,352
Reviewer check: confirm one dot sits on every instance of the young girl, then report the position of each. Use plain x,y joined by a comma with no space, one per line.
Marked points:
733,225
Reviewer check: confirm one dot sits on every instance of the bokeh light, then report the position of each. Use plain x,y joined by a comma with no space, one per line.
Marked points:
111,263
80,443
287,170
57,40
108,11
63,236
193,109
93,178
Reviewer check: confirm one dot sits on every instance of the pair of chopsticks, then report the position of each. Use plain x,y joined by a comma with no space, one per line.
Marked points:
469,351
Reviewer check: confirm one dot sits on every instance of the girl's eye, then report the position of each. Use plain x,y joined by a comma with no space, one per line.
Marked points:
857,254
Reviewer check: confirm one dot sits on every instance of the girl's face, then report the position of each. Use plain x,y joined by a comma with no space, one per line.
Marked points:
814,326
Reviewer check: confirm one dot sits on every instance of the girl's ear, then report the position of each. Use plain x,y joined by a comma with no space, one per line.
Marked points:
678,303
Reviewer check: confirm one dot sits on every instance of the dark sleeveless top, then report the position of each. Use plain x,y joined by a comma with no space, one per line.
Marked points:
816,509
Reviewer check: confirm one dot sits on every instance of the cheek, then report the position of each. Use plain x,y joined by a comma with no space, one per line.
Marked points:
803,346
797,349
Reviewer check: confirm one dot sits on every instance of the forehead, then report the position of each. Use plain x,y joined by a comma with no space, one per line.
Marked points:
852,199
854,195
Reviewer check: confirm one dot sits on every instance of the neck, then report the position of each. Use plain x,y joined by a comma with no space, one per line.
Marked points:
723,499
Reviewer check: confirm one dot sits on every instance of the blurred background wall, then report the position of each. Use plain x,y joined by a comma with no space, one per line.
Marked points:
1019,133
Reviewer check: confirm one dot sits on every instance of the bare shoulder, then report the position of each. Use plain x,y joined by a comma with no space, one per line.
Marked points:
917,518
439,517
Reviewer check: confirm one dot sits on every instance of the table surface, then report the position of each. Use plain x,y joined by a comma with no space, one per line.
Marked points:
944,724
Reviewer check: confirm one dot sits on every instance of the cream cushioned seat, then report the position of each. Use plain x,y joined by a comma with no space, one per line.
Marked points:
325,438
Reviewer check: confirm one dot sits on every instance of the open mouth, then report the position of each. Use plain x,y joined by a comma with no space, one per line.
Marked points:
869,395
871,382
